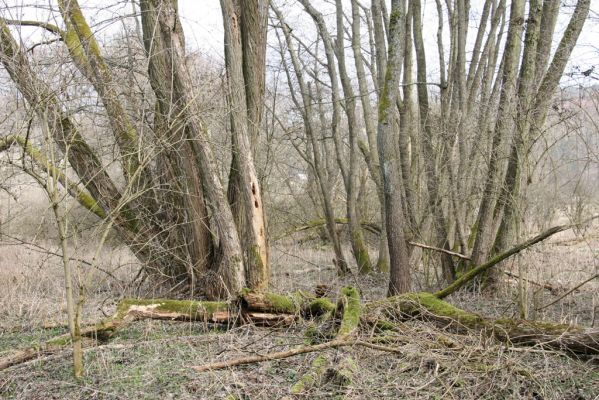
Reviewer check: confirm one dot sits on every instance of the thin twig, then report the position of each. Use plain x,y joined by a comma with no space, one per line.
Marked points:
439,249
568,292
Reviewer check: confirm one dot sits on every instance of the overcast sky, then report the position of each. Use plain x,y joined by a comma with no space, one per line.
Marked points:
202,21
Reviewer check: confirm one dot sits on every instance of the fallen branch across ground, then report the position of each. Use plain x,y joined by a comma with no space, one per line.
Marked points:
292,352
350,314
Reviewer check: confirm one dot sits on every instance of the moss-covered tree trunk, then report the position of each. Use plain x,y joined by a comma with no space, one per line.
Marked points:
269,309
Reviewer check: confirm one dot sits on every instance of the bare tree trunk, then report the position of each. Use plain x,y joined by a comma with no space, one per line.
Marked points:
407,141
228,268
400,279
355,231
532,109
185,215
370,152
486,225
319,163
244,60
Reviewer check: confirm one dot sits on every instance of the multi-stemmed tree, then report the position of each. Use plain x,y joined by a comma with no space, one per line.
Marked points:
173,210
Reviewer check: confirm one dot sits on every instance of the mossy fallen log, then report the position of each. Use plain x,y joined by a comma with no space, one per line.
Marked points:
264,309
426,306
127,311
326,371
296,304
349,307
313,376
383,314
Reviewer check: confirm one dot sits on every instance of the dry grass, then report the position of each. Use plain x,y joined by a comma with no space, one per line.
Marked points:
151,359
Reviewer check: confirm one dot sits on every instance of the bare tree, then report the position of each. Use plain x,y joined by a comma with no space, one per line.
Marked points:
400,270
175,215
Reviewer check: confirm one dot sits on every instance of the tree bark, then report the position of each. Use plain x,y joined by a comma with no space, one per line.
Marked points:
432,178
245,47
400,274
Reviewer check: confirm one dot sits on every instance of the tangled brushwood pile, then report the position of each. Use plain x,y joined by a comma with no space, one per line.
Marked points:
300,345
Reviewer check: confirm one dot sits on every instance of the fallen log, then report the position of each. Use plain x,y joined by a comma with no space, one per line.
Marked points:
571,339
295,304
350,309
313,376
263,309
128,310
383,313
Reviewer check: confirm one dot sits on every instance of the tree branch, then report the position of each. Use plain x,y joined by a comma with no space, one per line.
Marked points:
428,247
568,292
72,188
44,25
470,275
290,353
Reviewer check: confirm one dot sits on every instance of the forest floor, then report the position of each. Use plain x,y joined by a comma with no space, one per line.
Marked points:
151,359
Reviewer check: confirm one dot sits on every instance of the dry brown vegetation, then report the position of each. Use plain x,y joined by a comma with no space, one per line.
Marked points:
151,359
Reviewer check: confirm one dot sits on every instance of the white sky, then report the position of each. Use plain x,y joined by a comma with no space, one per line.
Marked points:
203,26
202,22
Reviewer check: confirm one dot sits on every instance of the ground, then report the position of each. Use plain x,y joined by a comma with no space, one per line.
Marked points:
152,359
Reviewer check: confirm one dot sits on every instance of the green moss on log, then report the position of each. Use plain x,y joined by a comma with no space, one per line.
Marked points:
312,377
416,303
318,307
344,372
283,304
350,303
